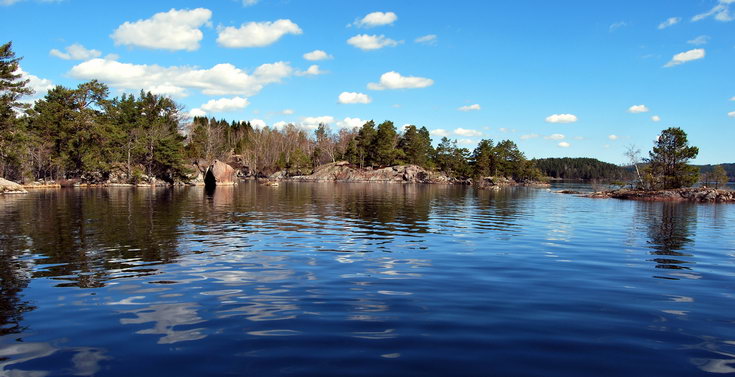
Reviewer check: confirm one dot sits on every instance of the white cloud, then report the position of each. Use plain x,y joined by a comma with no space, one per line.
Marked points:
75,52
700,40
671,21
225,104
376,19
354,97
429,39
312,123
197,112
248,3
469,108
351,123
612,137
313,70
172,30
721,12
465,141
287,112
258,123
555,137
256,34
636,109
466,133
564,144
561,118
617,25
221,79
439,132
11,2
529,136
731,114
579,138
39,85
367,42
394,80
656,118
317,55
732,99
687,56
503,130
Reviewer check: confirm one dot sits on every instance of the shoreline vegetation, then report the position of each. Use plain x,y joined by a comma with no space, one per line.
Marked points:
82,137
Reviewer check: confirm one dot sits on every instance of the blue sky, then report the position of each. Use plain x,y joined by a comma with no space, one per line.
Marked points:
563,78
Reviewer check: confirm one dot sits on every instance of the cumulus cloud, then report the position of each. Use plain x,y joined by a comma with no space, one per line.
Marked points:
439,132
313,70
561,118
172,30
612,137
684,57
394,80
354,97
317,55
721,12
469,108
312,123
564,144
656,118
466,133
732,99
75,52
40,86
350,123
700,40
258,123
376,19
555,137
287,112
636,109
671,21
367,42
221,79
197,112
465,141
731,114
248,3
256,34
429,39
529,136
225,105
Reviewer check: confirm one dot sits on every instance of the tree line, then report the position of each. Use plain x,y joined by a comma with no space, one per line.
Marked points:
83,133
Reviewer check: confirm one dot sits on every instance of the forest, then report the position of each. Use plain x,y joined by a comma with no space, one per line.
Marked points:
83,134
582,168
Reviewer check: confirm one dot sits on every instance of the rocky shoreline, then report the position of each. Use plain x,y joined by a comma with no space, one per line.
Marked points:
695,195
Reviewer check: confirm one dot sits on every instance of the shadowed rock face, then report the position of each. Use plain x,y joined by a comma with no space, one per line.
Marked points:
219,173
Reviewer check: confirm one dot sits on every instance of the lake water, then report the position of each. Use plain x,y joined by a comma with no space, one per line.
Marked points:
363,280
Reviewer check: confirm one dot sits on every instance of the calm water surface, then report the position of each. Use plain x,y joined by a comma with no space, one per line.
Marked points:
363,280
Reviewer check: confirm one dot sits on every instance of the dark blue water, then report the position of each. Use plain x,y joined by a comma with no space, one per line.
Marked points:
363,280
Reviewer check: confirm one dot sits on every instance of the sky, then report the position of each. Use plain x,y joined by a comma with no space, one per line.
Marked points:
560,78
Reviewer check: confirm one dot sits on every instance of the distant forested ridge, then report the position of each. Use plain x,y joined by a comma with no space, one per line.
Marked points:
581,168
729,169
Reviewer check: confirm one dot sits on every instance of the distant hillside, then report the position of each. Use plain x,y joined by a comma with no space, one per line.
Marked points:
729,168
581,168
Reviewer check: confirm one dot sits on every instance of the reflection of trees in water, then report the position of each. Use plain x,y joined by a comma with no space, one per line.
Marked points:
14,272
670,228
499,209
86,233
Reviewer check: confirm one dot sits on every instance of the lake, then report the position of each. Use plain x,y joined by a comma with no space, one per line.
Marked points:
363,280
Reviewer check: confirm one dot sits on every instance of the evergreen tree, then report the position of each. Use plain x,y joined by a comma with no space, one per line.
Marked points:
668,161
483,159
12,135
384,144
364,144
719,176
415,146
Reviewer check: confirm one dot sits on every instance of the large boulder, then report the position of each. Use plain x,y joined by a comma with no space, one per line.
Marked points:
9,187
219,173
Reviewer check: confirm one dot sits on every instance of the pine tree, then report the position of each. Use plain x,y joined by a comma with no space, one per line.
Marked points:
12,136
668,161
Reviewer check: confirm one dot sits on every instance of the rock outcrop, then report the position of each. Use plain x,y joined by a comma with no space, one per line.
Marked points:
9,187
344,172
219,173
699,195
